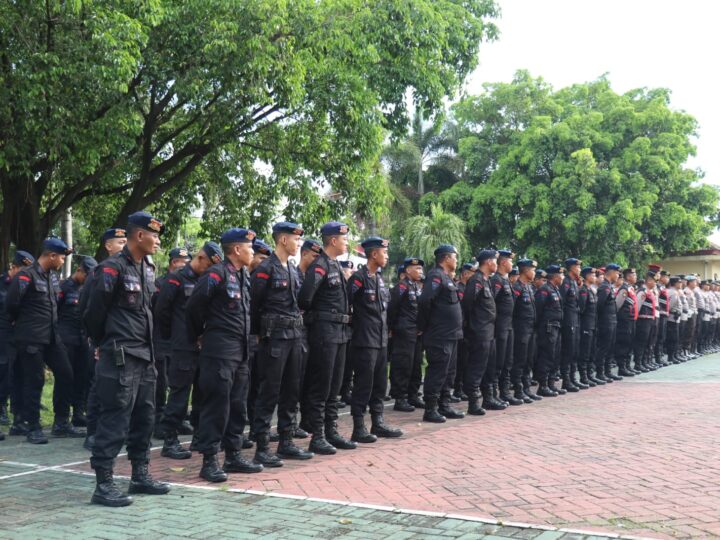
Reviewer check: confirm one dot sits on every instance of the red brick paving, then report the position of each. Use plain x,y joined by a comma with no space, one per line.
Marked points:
632,458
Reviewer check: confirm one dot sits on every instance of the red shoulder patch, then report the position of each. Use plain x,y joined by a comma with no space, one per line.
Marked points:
111,271
262,275
544,293
320,270
358,282
498,285
24,278
174,282
437,280
215,276
402,286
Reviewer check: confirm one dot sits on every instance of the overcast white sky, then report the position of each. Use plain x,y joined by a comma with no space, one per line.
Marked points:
639,43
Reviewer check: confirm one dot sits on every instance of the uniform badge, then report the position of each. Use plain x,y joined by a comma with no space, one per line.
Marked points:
436,282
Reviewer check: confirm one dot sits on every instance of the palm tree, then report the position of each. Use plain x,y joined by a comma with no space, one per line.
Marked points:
424,233
425,146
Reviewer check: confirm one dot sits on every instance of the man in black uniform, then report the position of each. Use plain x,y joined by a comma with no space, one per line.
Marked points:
113,240
348,267
440,322
31,303
606,323
570,332
179,257
467,271
182,370
587,307
627,313
119,320
549,320
369,298
323,297
10,370
504,303
276,319
523,328
218,314
407,346
72,335
663,311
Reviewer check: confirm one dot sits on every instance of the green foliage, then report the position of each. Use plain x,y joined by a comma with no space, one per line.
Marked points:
248,108
580,171
424,233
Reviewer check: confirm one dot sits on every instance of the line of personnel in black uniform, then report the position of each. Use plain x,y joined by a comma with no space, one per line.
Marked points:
240,307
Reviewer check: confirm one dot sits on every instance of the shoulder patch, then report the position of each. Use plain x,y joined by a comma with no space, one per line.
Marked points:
214,278
320,270
174,282
109,270
262,275
26,279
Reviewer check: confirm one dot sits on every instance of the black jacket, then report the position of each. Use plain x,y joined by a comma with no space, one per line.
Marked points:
170,309
549,307
479,308
606,308
323,297
439,309
504,301
69,314
119,310
524,312
219,310
569,293
31,302
274,310
403,309
6,327
587,304
369,299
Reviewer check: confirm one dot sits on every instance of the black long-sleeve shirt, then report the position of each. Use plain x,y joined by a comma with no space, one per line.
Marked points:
274,310
403,309
369,300
170,306
31,303
439,310
479,308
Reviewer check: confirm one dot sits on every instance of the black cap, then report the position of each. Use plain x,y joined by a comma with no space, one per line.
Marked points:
146,221
179,253
486,254
237,236
374,242
88,263
334,228
56,245
213,251
115,232
413,261
311,245
288,227
444,248
23,258
260,246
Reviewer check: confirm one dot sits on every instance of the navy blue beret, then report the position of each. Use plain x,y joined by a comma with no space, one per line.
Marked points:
413,261
87,264
23,258
312,245
213,251
505,253
259,246
587,270
146,221
333,228
237,236
401,269
540,273
612,266
374,242
526,263
486,254
287,227
179,253
444,248
347,264
56,245
115,232
468,266
572,261
553,269
514,271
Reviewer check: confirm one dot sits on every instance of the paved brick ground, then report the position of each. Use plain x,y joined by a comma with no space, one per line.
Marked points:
636,457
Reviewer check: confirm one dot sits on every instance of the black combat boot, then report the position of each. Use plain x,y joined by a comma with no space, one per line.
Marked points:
474,407
106,491
142,481
186,428
320,445
596,377
431,412
381,429
300,433
263,455
544,389
338,441
18,427
79,419
89,442
417,402
449,412
574,379
528,391
211,470
584,379
521,395
506,395
235,463
489,402
172,448
195,442
402,405
63,428
288,450
568,385
496,395
553,388
4,418
360,433
35,435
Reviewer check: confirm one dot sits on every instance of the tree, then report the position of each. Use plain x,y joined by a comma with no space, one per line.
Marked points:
156,103
584,171
425,233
